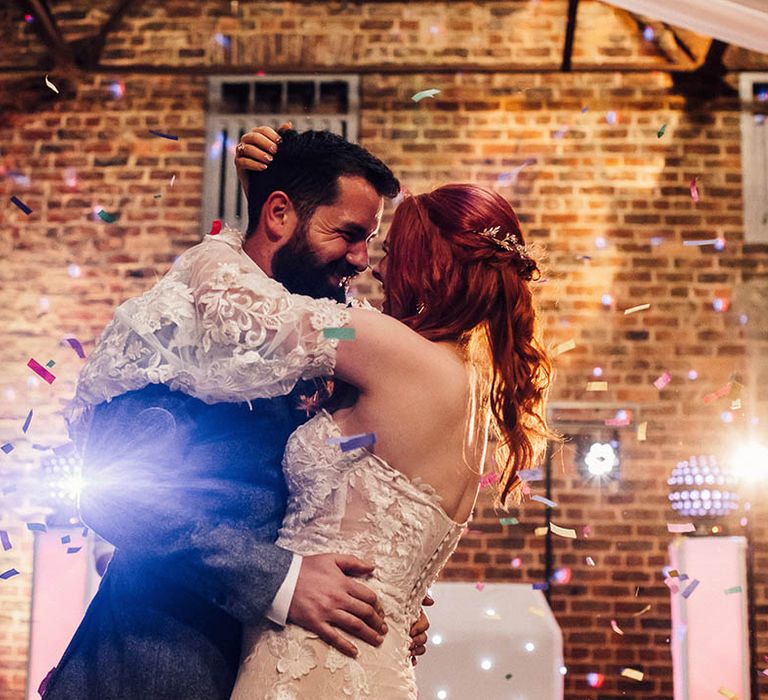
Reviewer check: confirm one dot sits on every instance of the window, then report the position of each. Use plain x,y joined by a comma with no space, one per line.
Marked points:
237,104
753,91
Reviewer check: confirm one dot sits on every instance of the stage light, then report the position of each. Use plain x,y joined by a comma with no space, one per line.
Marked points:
437,639
486,664
601,458
700,488
749,463
530,646
63,480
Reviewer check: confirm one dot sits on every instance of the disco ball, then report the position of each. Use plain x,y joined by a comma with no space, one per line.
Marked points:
700,488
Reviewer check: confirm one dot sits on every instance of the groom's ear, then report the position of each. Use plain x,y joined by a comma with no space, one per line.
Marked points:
278,217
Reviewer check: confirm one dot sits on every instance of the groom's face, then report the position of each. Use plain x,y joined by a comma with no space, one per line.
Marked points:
327,251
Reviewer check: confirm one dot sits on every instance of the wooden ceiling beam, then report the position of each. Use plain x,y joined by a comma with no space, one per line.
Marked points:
570,35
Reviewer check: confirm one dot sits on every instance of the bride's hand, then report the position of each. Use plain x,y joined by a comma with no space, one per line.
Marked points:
419,632
255,150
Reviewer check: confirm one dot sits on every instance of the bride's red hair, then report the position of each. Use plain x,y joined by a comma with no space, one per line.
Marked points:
447,282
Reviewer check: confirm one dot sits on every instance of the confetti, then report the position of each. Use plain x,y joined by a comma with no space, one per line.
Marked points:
7,448
425,93
633,674
616,628
7,574
479,585
107,218
21,205
44,683
564,347
73,550
563,531
727,693
354,442
539,531
49,84
173,179
701,242
509,521
489,480
5,540
661,131
530,474
597,386
590,561
642,431
694,190
731,591
536,611
27,421
662,381
545,501
690,588
540,586
37,368
37,527
74,343
163,136
642,612
722,391
635,309
215,228
681,527
66,539
50,364
339,333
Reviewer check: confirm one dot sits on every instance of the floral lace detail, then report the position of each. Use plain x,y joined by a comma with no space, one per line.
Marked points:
215,327
354,502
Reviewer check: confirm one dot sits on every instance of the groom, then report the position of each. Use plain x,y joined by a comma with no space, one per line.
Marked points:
192,493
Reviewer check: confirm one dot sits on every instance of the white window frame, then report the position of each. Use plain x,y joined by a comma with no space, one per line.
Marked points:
754,162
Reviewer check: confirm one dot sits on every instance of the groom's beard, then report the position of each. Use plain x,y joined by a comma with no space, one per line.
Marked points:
298,269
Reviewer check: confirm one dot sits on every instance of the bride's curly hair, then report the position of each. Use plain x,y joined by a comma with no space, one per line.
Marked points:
447,281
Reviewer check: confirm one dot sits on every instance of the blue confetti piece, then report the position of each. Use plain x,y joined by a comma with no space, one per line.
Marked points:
546,501
5,540
163,136
27,421
73,550
540,586
21,205
691,588
7,448
66,539
37,527
7,574
85,532
354,442
50,364
107,218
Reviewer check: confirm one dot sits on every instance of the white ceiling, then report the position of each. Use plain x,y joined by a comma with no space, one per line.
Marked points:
740,22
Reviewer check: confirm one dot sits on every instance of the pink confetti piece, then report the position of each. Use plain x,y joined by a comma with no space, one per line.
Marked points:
74,343
27,421
545,501
37,368
5,540
681,527
670,583
663,380
479,585
8,574
488,479
616,628
37,527
694,190
215,228
690,588
722,391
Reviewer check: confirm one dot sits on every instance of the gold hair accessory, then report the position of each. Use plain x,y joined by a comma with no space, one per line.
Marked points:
510,241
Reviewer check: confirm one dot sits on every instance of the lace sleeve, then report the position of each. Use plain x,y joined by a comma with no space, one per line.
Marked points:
253,338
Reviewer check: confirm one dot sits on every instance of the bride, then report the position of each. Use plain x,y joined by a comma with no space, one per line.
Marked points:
392,477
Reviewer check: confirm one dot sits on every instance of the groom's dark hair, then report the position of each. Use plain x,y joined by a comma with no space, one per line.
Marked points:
307,167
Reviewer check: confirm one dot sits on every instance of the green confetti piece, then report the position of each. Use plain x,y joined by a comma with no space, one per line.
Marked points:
425,93
50,363
735,589
339,333
661,131
108,218
509,521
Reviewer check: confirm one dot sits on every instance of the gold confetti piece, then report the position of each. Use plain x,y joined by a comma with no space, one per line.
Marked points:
616,628
642,431
674,573
727,693
536,611
681,527
632,673
590,561
51,85
564,347
562,531
635,309
597,386
642,612
539,531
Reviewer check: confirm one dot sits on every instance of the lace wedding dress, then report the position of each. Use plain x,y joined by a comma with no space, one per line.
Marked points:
351,502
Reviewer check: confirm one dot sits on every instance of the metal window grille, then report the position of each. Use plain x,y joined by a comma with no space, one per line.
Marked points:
753,89
237,104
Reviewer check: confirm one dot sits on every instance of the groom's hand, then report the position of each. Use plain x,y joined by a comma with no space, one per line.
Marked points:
328,600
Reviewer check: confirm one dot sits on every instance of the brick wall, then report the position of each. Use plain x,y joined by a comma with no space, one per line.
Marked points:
503,101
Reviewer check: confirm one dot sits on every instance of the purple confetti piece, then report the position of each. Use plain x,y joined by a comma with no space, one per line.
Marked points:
540,586
27,421
530,474
21,205
44,683
5,540
353,442
37,527
691,588
7,574
74,343
85,532
66,539
163,136
73,550
546,501
36,367
7,448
